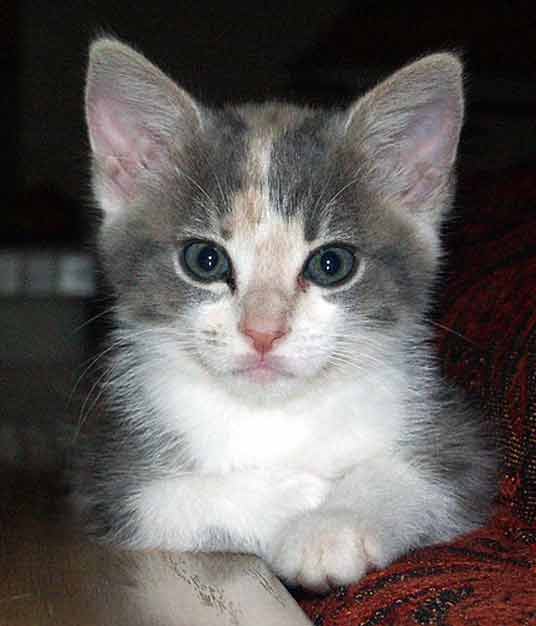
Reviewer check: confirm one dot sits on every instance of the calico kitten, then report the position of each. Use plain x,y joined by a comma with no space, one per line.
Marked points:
272,390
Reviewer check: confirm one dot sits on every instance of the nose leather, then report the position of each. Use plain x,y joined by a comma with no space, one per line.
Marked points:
264,317
263,341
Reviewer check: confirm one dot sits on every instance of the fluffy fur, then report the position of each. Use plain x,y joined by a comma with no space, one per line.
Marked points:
339,448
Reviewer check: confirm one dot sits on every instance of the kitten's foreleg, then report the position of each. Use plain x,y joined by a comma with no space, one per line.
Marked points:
378,511
238,511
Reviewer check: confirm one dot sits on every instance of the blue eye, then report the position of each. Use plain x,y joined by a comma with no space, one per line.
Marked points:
330,266
206,261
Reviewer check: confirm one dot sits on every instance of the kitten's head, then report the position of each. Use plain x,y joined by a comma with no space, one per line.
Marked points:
270,247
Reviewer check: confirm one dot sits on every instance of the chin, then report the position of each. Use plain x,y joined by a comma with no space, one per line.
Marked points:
265,386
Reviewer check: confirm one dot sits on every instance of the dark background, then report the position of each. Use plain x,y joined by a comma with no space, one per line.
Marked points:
324,53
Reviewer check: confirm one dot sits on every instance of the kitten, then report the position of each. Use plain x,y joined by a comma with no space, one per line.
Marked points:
272,389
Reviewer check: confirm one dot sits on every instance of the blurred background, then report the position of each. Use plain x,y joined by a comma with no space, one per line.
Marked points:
325,53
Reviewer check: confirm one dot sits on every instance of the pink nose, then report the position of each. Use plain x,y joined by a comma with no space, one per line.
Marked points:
263,341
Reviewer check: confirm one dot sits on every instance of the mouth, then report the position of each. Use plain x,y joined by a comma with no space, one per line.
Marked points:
262,372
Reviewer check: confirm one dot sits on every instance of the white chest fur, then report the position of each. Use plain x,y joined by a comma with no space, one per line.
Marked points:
324,431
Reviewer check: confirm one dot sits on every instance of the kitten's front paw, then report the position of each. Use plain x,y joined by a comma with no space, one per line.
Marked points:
325,549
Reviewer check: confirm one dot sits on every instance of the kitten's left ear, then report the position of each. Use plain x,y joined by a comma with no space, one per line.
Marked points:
407,131
137,120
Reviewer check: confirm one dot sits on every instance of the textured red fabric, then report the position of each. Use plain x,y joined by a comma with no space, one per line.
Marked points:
488,577
488,336
487,343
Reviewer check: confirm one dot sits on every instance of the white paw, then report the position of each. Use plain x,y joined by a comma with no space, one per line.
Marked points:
301,492
324,549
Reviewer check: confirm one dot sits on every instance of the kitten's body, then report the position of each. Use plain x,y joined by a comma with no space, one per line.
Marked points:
266,411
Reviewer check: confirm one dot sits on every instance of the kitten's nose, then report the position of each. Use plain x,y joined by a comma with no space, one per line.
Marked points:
263,341
264,317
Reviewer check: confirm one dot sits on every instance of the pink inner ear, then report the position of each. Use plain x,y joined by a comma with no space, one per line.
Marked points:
428,150
110,130
120,144
431,136
121,173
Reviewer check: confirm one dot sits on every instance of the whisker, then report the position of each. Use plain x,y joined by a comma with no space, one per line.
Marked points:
83,415
92,364
120,339
223,194
199,187
92,319
453,332
341,191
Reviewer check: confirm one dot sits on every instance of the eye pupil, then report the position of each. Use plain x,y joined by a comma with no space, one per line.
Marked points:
330,263
208,259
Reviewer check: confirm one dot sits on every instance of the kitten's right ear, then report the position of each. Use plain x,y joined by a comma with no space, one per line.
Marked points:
408,128
137,119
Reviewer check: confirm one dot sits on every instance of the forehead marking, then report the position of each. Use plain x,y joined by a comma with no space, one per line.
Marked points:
251,204
279,242
270,244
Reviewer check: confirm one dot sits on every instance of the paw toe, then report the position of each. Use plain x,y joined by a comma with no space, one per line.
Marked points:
323,551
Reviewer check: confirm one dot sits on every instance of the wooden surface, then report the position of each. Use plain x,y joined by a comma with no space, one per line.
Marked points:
51,576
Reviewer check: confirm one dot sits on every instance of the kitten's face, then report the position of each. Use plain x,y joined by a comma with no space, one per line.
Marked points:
270,327
268,248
